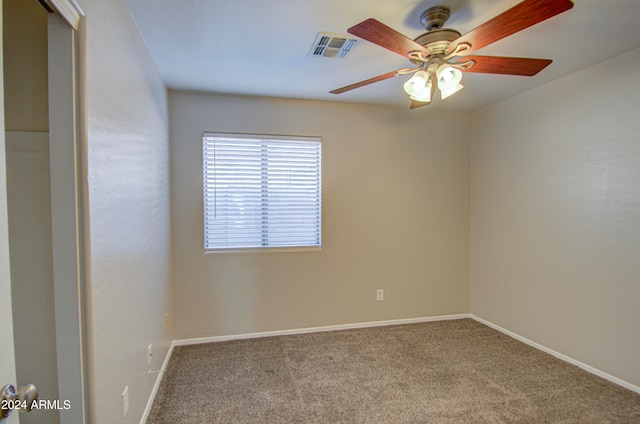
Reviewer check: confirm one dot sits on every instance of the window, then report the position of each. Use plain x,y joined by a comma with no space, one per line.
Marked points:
261,191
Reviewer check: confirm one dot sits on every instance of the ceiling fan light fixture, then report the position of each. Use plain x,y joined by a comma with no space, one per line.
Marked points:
417,84
425,96
432,50
448,92
448,78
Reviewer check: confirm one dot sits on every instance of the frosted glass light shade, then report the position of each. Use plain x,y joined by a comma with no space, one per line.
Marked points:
448,80
448,77
446,93
417,84
425,96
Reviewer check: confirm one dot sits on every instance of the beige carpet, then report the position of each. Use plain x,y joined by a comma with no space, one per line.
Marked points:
440,372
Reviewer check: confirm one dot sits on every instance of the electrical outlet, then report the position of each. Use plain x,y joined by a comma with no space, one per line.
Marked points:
125,401
380,295
149,354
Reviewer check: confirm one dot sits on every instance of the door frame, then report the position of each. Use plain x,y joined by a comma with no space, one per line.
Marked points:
65,162
69,10
7,358
67,224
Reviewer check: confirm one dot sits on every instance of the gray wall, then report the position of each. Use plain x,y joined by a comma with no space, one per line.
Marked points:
555,215
395,216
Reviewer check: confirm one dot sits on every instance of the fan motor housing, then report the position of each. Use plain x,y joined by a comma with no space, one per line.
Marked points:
435,17
438,40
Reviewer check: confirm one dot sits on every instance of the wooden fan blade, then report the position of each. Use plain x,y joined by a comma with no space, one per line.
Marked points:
366,82
519,17
387,37
506,65
416,104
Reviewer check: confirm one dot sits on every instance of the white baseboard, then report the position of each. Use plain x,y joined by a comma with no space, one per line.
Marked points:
156,385
200,340
559,355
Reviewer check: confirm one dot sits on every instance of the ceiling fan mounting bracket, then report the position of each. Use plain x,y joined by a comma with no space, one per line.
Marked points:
459,49
407,71
418,58
435,17
463,66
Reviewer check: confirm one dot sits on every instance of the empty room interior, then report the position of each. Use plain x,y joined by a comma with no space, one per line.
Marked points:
491,194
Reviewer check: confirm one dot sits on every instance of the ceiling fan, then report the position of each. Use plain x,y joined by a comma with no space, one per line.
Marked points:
440,55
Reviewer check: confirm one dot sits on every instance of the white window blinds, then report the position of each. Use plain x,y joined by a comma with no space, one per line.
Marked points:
261,191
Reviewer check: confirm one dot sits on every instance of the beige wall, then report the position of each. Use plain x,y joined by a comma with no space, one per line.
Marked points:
25,67
128,200
555,221
395,216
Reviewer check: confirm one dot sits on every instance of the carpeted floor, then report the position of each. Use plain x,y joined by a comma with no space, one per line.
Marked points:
439,372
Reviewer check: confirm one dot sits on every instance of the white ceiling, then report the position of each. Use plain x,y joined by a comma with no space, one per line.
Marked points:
261,47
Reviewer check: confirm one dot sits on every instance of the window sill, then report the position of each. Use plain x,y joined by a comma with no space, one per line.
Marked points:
265,250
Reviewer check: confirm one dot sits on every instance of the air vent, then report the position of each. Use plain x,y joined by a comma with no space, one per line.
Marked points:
332,45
